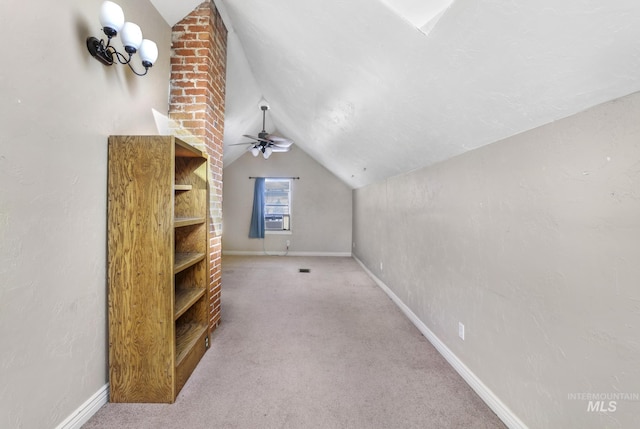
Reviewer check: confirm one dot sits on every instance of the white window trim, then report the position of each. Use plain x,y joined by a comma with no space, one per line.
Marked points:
272,232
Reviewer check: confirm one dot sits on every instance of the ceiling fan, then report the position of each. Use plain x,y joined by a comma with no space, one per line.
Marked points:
265,142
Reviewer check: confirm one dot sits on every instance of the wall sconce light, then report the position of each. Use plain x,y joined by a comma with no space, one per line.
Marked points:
112,21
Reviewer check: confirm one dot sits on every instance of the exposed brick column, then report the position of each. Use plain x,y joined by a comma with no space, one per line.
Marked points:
198,70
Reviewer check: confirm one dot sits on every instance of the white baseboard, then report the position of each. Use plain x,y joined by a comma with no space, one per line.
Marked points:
91,406
502,411
270,253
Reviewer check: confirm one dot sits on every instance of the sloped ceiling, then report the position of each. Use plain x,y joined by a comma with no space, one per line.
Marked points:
370,91
174,10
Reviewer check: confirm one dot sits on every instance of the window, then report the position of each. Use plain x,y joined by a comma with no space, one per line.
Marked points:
277,205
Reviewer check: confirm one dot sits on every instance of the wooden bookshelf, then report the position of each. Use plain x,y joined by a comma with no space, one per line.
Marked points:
158,272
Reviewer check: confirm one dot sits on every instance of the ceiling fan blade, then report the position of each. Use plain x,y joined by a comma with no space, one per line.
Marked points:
279,139
255,138
240,144
279,149
282,144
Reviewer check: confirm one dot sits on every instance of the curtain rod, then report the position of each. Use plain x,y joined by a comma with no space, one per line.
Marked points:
294,178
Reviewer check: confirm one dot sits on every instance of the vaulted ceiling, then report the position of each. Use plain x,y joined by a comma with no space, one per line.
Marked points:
376,88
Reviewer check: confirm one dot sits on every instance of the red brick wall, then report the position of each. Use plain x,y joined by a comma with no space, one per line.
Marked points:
198,70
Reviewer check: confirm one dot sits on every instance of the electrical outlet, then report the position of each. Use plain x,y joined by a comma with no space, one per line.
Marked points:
461,330
288,243
381,266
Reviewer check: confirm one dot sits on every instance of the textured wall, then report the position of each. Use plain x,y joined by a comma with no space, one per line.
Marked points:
532,243
321,206
198,73
57,108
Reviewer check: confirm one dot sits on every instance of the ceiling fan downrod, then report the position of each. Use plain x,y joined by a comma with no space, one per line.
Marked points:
263,134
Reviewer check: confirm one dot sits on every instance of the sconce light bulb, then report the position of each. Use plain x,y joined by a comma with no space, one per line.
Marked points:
148,53
111,18
131,37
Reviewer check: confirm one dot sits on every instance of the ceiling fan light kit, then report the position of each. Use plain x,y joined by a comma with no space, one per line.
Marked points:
265,142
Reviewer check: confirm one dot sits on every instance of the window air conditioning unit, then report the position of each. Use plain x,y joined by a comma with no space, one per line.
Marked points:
273,222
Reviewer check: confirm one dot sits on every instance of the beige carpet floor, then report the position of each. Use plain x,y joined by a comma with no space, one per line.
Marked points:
324,349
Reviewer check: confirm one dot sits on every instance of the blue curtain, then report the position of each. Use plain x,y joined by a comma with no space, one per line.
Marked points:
257,216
